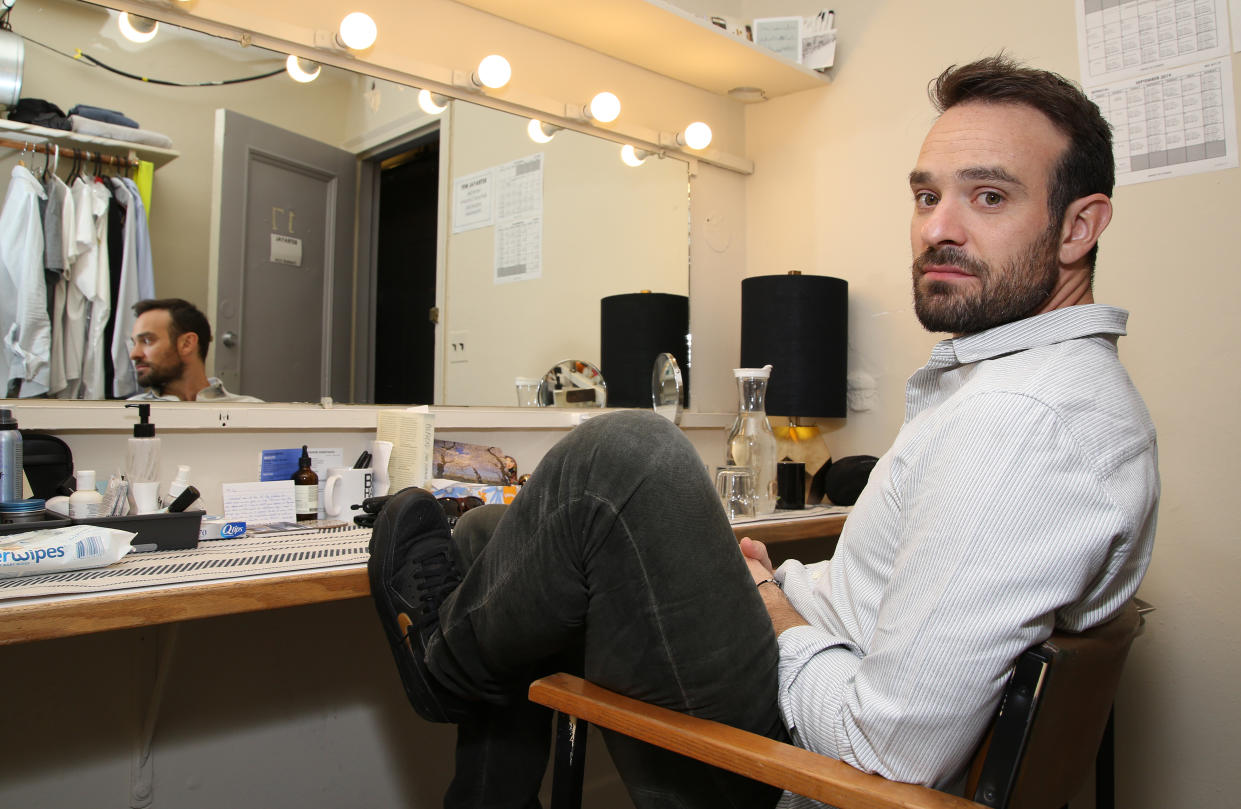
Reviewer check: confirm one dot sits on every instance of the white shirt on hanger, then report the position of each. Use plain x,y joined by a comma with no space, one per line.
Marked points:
61,250
23,295
89,301
124,377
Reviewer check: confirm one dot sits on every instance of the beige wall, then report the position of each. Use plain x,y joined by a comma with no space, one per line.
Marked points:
829,194
618,230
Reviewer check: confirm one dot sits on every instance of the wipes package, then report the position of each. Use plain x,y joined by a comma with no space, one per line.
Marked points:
53,550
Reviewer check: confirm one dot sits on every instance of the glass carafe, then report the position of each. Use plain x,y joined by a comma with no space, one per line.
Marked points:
750,441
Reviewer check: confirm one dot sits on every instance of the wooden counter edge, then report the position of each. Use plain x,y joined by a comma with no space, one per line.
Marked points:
80,616
825,525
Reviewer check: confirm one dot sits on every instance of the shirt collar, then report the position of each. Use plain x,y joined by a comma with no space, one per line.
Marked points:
1048,328
214,390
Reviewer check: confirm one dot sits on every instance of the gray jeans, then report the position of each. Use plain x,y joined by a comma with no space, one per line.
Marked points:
615,562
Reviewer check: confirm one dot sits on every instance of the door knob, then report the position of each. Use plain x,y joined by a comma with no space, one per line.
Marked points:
228,339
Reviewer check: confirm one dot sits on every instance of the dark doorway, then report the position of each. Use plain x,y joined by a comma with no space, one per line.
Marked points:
405,273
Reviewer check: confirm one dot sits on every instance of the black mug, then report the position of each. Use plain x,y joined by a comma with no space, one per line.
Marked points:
791,485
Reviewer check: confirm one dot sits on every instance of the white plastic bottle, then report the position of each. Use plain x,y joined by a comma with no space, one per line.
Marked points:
143,456
85,502
179,484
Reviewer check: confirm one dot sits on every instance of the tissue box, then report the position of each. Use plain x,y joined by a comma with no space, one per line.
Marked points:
488,494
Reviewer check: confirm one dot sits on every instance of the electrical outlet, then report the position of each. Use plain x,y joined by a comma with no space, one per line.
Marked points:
458,346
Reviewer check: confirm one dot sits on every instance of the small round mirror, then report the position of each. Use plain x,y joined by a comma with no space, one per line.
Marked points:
667,391
573,383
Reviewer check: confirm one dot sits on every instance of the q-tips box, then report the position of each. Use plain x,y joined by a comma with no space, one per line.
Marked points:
221,528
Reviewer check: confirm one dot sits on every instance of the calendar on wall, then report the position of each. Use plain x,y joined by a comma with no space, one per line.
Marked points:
1161,74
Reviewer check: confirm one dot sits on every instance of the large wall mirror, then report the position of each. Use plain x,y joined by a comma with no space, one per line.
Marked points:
417,305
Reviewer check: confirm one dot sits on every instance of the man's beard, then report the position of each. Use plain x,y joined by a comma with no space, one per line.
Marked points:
1025,283
159,376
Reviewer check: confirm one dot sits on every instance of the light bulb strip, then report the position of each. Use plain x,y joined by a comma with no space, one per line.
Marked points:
318,46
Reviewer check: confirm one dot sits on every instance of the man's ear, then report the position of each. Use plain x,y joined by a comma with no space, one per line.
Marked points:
187,345
1084,222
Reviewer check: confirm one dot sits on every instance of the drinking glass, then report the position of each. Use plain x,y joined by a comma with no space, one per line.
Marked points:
736,488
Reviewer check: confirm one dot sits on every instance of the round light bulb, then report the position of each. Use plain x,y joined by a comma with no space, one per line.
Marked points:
302,70
137,29
697,135
629,156
430,102
494,71
535,130
358,31
605,107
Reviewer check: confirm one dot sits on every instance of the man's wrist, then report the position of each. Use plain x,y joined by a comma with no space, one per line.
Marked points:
767,581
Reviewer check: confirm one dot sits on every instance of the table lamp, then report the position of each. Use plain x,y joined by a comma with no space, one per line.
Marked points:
799,324
636,328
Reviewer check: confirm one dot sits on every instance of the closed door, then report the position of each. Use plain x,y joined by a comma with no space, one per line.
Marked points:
284,271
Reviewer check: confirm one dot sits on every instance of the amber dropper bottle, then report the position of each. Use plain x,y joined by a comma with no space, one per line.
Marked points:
305,489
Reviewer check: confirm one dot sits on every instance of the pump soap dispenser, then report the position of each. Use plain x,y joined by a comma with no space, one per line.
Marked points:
142,458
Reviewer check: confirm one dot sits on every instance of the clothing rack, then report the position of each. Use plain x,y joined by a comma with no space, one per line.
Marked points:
69,153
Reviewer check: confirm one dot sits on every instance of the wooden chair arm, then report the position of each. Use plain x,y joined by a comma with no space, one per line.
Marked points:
782,765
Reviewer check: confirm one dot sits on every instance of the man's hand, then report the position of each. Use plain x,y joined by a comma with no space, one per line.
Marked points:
783,616
756,557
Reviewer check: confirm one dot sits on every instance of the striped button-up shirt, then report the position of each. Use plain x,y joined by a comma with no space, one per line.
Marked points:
1020,495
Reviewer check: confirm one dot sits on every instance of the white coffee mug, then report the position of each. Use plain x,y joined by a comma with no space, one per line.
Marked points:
346,488
381,453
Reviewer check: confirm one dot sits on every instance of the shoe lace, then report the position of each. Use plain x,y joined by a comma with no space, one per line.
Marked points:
436,577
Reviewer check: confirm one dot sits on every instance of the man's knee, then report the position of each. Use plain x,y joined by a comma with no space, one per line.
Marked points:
629,431
474,530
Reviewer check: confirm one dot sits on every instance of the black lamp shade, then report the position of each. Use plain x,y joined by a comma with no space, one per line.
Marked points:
635,329
799,324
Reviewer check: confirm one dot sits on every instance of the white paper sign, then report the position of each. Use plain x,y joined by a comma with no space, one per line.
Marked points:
472,204
286,250
260,502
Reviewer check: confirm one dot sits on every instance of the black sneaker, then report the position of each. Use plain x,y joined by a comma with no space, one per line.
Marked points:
412,569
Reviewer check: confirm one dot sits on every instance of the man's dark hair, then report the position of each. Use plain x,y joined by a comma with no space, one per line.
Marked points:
1086,167
185,318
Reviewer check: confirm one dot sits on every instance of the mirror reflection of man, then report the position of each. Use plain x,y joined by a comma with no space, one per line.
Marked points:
169,350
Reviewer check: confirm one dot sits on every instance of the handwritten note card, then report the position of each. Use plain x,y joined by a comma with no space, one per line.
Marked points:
781,35
263,502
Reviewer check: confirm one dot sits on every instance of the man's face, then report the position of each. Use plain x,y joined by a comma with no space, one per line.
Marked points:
984,251
154,351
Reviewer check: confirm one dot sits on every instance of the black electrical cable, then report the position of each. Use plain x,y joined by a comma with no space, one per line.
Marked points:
79,56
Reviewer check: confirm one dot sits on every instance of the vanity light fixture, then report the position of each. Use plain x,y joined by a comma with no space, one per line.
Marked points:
302,70
432,103
493,72
605,107
357,31
695,136
541,131
634,157
137,29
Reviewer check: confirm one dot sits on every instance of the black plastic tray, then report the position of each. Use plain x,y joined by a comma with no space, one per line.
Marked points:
55,521
154,532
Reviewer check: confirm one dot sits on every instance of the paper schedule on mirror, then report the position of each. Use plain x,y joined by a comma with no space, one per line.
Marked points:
510,197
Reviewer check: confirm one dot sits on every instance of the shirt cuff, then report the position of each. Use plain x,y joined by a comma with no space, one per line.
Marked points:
816,672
